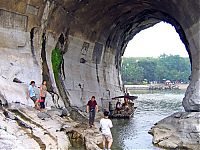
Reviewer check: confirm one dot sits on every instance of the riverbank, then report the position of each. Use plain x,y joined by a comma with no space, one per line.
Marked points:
33,129
55,128
154,86
179,131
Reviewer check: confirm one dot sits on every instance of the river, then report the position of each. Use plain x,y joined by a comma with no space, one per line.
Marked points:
152,106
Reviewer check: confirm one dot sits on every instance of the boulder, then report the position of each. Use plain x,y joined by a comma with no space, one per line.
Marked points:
77,115
43,115
191,101
180,130
65,112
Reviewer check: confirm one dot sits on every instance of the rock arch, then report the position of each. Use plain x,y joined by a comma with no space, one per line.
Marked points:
135,24
96,32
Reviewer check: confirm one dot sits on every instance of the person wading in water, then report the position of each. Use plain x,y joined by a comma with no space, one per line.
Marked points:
105,125
92,108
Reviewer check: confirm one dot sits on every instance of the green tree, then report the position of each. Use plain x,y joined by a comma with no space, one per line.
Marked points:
173,67
131,72
169,67
149,67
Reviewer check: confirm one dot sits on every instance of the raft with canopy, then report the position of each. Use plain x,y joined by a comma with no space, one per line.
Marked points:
120,107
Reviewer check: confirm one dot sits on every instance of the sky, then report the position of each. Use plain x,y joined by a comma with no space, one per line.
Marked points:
154,41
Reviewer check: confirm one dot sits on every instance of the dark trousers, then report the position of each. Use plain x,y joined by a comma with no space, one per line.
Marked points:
91,117
42,105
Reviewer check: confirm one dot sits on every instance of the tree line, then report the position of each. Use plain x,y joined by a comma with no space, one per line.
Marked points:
145,70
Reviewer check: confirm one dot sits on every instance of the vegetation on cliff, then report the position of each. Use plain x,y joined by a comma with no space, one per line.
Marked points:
56,59
168,67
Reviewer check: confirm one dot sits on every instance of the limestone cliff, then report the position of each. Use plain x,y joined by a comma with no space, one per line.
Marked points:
76,45
29,33
91,37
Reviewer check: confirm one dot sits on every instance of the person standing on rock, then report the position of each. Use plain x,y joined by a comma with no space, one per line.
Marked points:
43,93
105,125
31,93
92,108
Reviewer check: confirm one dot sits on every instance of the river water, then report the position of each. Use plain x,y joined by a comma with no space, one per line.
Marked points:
152,106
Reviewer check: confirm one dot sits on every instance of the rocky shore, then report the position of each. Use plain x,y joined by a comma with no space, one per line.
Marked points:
23,127
178,131
57,127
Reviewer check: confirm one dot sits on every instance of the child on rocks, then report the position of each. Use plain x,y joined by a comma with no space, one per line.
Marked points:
105,125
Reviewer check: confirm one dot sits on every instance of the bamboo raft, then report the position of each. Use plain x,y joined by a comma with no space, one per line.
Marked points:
122,113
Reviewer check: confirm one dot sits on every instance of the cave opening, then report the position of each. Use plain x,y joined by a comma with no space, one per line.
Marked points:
156,55
154,102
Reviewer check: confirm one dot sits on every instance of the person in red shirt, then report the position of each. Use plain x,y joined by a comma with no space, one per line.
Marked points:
92,108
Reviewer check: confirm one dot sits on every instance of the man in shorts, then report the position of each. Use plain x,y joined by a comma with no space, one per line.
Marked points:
105,125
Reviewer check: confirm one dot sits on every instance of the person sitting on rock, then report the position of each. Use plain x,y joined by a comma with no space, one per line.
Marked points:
32,95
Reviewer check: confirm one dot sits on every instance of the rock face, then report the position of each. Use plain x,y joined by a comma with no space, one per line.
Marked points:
178,131
30,133
47,131
191,101
91,37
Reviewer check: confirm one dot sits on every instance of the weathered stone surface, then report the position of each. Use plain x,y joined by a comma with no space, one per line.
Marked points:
180,130
65,112
13,20
58,111
43,115
13,92
94,31
9,115
3,101
191,101
97,35
76,114
30,132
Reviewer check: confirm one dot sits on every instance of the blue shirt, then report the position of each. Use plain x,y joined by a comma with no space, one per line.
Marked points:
31,91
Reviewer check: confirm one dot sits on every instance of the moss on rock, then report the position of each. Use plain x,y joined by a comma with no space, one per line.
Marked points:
56,59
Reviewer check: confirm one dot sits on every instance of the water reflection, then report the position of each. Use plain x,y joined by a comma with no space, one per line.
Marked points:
152,106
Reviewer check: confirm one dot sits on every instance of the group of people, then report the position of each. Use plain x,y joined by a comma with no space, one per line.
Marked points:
124,106
105,122
39,101
92,108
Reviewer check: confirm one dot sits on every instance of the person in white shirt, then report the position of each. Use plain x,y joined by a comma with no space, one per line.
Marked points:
105,125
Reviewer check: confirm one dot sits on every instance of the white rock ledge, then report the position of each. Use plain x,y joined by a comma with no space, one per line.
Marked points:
178,131
22,125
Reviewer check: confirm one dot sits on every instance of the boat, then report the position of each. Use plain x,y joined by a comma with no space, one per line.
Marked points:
126,111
